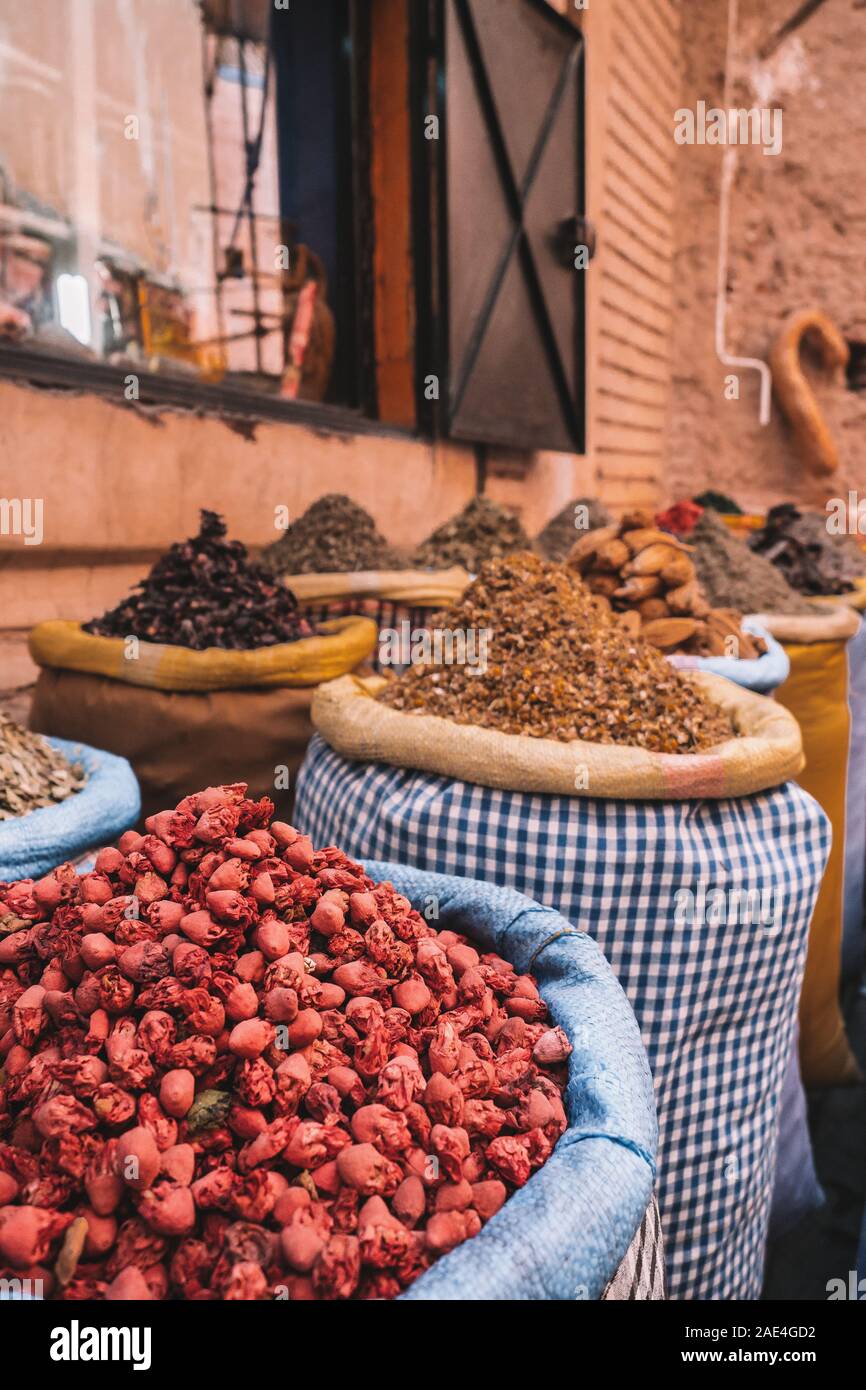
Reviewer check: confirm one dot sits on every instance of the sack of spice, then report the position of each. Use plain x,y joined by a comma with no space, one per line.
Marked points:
208,664
557,790
205,618
560,687
278,1079
337,563
58,800
648,576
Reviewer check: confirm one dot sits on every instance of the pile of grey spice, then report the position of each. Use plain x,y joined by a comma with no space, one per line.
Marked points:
559,667
733,576
33,773
558,536
480,532
334,535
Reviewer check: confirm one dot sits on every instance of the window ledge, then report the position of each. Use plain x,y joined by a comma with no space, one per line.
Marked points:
224,401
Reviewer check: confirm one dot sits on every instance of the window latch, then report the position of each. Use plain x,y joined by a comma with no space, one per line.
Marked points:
570,234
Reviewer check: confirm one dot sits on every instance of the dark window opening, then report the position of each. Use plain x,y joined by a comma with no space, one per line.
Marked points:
855,371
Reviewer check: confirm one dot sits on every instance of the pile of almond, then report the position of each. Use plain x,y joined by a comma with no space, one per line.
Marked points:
647,577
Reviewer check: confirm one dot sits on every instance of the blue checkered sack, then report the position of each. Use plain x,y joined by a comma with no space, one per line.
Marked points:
563,1235
716,1005
108,804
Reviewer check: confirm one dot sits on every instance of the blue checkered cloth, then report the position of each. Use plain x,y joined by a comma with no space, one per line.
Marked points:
716,1005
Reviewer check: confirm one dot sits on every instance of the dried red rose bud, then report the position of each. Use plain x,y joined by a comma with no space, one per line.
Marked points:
359,978
445,1230
410,1201
96,888
129,1286
165,915
138,1158
177,1092
362,1166
412,995
552,1047
28,1015
454,1196
301,1246
178,1164
251,1038
283,834
97,950
272,939
305,1028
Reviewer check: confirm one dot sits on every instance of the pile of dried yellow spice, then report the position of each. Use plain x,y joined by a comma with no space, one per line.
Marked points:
555,665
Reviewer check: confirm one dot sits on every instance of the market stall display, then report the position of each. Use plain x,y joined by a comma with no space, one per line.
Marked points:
229,697
102,801
696,871
648,576
235,1065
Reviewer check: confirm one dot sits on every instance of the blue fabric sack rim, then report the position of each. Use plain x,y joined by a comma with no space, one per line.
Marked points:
602,1174
108,803
761,674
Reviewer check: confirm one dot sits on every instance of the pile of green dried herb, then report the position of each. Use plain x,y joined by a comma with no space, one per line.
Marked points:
480,532
334,535
802,549
205,592
33,774
557,666
558,536
732,576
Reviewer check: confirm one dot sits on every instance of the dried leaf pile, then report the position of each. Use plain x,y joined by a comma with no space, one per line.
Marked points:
648,577
558,666
32,773
334,535
479,533
811,559
559,535
205,592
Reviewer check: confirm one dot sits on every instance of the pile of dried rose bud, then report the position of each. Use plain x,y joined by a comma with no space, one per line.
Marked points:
233,1067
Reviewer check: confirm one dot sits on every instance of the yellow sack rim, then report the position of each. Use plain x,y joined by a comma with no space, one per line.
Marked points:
856,599
768,752
340,645
426,588
835,622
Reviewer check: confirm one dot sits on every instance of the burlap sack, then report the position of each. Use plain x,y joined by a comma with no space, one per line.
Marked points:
835,623
341,645
819,694
415,588
767,752
178,742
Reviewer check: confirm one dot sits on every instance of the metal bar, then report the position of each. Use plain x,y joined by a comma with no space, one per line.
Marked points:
248,187
209,76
